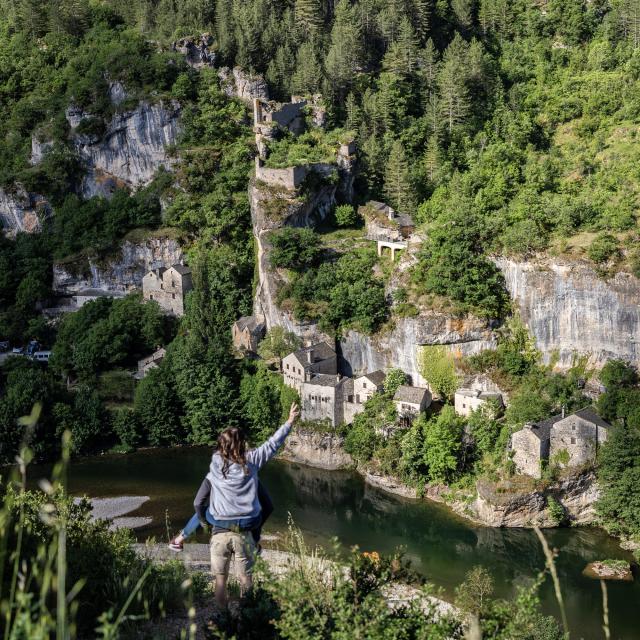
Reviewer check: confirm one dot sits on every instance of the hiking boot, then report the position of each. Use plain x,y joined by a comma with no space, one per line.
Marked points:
174,545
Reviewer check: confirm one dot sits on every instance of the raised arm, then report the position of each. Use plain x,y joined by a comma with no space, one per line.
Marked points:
262,454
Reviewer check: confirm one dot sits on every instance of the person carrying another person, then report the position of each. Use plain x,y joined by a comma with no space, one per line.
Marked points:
234,510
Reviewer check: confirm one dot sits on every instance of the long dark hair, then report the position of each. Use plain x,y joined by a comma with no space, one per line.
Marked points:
232,447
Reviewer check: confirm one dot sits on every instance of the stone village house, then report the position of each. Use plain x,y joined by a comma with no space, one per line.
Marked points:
410,402
465,401
168,287
575,438
246,333
325,395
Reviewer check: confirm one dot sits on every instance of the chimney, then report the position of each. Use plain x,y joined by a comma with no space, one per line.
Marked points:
310,356
563,410
391,213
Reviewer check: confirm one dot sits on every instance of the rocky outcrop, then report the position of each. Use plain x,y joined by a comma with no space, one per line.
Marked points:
400,345
317,449
245,86
569,309
120,273
131,150
273,208
196,51
390,485
21,211
576,494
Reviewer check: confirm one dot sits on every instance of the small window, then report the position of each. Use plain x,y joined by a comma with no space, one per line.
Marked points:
350,399
151,296
573,427
173,296
287,366
573,440
358,398
464,406
364,385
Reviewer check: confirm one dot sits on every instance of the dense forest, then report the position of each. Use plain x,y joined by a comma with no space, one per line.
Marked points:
501,126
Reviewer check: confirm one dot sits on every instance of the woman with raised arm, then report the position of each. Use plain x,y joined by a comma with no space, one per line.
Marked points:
234,510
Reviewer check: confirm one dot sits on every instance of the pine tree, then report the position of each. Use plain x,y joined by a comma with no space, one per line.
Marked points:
432,158
354,113
463,10
32,16
402,56
69,16
397,184
308,16
307,78
225,29
344,59
422,18
452,89
628,12
280,70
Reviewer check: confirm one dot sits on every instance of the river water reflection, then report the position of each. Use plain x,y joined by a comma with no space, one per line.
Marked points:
339,504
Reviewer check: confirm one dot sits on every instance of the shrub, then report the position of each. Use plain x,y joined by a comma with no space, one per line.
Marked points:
603,248
556,511
127,428
346,215
438,368
295,248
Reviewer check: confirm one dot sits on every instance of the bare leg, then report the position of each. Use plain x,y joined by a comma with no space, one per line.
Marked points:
221,591
246,583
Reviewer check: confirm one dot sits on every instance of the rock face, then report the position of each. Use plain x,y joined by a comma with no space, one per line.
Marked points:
196,50
320,450
119,274
577,495
609,570
237,83
570,310
132,149
272,209
22,212
400,346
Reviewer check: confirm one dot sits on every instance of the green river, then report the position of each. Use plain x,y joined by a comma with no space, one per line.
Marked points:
327,504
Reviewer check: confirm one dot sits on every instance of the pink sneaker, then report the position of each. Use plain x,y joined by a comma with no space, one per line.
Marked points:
174,545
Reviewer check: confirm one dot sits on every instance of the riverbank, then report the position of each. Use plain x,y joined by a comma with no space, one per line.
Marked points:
519,503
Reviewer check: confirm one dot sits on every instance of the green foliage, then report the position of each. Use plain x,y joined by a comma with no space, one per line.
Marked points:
438,368
394,379
340,295
364,434
555,511
126,426
603,248
264,399
443,445
295,248
278,343
157,408
346,215
308,148
108,332
54,542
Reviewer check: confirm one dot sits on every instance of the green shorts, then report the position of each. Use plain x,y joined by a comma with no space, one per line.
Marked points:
226,544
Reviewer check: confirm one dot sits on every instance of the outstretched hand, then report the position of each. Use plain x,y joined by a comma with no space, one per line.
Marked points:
294,414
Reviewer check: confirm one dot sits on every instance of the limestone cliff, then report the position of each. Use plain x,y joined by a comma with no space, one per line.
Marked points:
131,150
121,273
399,346
320,450
569,309
273,208
237,83
21,211
577,495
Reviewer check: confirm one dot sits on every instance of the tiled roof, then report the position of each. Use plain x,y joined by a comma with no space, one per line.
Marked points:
324,380
377,377
589,414
405,393
320,351
181,269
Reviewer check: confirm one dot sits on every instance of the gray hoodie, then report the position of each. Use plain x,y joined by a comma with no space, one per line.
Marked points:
236,496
